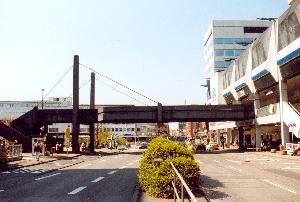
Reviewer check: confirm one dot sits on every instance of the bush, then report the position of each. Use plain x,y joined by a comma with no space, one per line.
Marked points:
155,177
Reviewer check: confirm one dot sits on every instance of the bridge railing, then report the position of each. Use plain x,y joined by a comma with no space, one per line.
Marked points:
183,186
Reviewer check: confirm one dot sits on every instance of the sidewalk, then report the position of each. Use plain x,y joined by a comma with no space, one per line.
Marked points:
29,160
277,154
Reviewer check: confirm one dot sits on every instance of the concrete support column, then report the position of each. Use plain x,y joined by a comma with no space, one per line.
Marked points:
283,100
218,137
256,126
92,106
75,121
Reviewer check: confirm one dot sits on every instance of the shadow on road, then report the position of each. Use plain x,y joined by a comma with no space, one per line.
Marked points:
209,187
225,151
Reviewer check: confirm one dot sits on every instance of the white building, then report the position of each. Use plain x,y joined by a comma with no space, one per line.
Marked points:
266,75
224,41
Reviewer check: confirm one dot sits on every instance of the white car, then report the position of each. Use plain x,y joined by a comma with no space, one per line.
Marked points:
212,146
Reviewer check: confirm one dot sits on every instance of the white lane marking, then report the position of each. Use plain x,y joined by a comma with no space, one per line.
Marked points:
1,190
129,164
276,185
112,172
235,168
237,162
84,165
75,191
123,167
6,172
289,163
103,160
137,160
98,179
47,176
36,172
290,168
200,162
216,161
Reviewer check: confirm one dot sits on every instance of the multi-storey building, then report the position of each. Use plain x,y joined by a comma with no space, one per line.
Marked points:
267,75
224,41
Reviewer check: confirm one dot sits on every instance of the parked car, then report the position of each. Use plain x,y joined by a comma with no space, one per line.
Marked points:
212,146
143,145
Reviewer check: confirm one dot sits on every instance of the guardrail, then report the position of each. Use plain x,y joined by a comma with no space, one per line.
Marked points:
14,150
182,186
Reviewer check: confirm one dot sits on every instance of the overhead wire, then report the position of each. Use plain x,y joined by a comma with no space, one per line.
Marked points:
54,86
119,91
110,79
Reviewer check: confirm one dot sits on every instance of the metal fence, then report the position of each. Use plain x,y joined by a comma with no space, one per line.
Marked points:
183,186
14,150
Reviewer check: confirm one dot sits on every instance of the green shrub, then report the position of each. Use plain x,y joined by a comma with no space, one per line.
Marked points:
155,177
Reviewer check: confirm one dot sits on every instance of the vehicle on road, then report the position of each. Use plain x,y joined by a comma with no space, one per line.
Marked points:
212,146
143,145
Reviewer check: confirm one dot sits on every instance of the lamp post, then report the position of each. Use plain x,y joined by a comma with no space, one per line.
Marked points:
43,98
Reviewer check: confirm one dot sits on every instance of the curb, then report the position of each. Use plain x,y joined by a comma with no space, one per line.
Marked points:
136,194
56,169
38,163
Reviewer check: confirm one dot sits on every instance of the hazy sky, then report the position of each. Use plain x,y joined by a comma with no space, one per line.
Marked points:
152,46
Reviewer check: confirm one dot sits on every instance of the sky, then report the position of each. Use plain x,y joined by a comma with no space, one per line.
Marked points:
152,46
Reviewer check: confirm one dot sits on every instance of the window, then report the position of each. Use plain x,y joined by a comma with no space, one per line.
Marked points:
219,52
117,129
53,130
222,64
138,129
218,40
132,129
228,41
120,129
229,53
238,52
254,29
112,129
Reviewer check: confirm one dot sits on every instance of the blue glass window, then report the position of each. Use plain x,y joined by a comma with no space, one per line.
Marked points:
238,40
248,40
219,52
227,63
220,64
228,41
218,40
238,52
229,53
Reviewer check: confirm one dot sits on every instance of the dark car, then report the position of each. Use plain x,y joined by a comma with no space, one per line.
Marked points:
143,145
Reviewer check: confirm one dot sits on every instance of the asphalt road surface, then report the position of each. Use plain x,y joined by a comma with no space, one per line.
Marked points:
249,176
87,178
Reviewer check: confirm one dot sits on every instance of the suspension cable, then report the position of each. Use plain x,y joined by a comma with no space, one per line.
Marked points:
119,91
55,85
59,81
117,82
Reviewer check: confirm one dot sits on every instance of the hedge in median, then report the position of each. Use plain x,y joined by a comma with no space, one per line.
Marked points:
156,173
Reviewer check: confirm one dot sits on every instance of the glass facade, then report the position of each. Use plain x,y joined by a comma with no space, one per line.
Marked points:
222,64
224,52
240,41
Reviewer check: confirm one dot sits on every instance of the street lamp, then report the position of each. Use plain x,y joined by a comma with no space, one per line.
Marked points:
43,98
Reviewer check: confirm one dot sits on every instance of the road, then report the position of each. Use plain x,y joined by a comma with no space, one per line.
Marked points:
249,176
86,178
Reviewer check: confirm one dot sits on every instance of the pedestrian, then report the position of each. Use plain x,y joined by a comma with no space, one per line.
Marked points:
222,141
37,149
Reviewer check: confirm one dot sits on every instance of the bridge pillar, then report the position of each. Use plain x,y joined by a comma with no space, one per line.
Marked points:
75,122
159,113
92,106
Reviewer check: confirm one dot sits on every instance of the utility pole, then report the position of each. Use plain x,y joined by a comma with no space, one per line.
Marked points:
75,122
92,106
